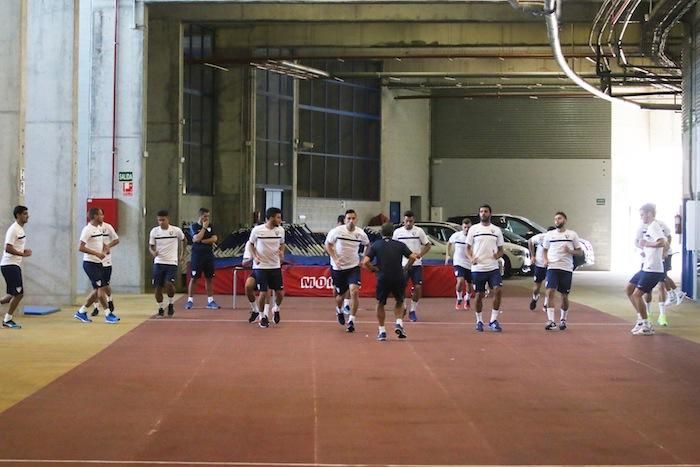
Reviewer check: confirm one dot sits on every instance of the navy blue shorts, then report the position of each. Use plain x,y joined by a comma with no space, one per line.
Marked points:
95,272
163,274
646,281
559,279
342,279
202,264
107,274
667,263
480,279
415,275
268,279
13,278
461,271
540,274
386,287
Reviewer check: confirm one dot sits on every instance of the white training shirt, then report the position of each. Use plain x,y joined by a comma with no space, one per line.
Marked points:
108,236
347,246
415,239
539,249
166,242
92,236
555,243
16,237
664,228
267,243
484,240
653,257
459,257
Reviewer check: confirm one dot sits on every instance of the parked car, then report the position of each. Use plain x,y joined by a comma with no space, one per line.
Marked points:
527,228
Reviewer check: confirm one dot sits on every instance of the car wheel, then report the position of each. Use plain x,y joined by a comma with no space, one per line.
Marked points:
507,268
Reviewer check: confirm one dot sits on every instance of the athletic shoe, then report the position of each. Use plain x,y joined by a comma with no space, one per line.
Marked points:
253,316
95,312
110,305
638,325
467,305
562,325
399,330
340,317
264,322
479,327
189,305
644,331
82,317
161,312
276,317
213,305
171,309
381,336
550,326
458,305
671,297
11,325
346,309
351,327
680,296
533,304
412,316
494,326
111,319
662,321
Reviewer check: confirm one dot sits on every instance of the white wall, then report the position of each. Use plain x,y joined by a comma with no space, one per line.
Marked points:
534,188
647,167
321,214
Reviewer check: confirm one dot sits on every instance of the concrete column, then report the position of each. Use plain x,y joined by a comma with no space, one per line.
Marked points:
95,176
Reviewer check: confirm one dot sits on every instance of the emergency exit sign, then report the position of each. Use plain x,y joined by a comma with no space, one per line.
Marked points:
126,176
600,201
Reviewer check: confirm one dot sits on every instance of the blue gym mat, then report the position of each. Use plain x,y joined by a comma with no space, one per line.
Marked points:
39,310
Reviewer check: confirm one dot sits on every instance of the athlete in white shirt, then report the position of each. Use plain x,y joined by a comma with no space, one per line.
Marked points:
266,244
13,252
164,241
457,249
560,245
343,246
111,239
653,244
417,241
484,248
537,252
94,249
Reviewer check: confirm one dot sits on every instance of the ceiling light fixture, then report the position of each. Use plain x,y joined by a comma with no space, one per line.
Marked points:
218,67
450,78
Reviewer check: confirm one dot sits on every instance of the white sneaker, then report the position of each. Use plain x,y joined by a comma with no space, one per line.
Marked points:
680,296
670,298
644,331
637,327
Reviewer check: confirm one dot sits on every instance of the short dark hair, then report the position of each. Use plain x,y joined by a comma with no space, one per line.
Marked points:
561,213
387,229
486,206
19,210
272,212
409,213
162,213
341,218
350,211
466,220
94,212
203,211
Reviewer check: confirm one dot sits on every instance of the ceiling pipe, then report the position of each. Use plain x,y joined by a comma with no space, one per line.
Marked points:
551,18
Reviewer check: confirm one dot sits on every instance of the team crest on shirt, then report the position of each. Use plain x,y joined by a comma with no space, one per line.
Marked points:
493,231
566,236
18,289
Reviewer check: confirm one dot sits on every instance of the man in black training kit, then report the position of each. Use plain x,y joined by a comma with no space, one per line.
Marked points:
391,276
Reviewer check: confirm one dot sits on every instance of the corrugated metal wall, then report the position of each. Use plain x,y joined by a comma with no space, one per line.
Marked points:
561,128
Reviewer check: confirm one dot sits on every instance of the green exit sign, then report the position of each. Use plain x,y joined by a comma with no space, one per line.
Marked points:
126,176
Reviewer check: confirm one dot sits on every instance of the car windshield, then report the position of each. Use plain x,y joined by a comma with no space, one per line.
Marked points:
513,238
535,224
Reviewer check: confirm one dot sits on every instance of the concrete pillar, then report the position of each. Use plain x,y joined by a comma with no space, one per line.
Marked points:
95,175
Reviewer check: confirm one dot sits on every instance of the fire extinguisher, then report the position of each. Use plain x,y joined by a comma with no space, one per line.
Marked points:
678,224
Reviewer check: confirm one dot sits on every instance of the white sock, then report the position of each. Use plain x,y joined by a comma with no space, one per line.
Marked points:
414,305
275,308
648,305
535,297
346,302
662,309
563,314
546,302
351,319
382,329
550,314
160,305
459,295
210,299
266,310
478,317
171,300
494,315
83,309
190,299
8,317
256,307
399,321
338,311
639,317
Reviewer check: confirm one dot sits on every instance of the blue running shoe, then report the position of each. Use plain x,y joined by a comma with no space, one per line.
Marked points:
189,305
82,317
399,330
494,326
412,316
479,326
111,319
213,305
381,336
